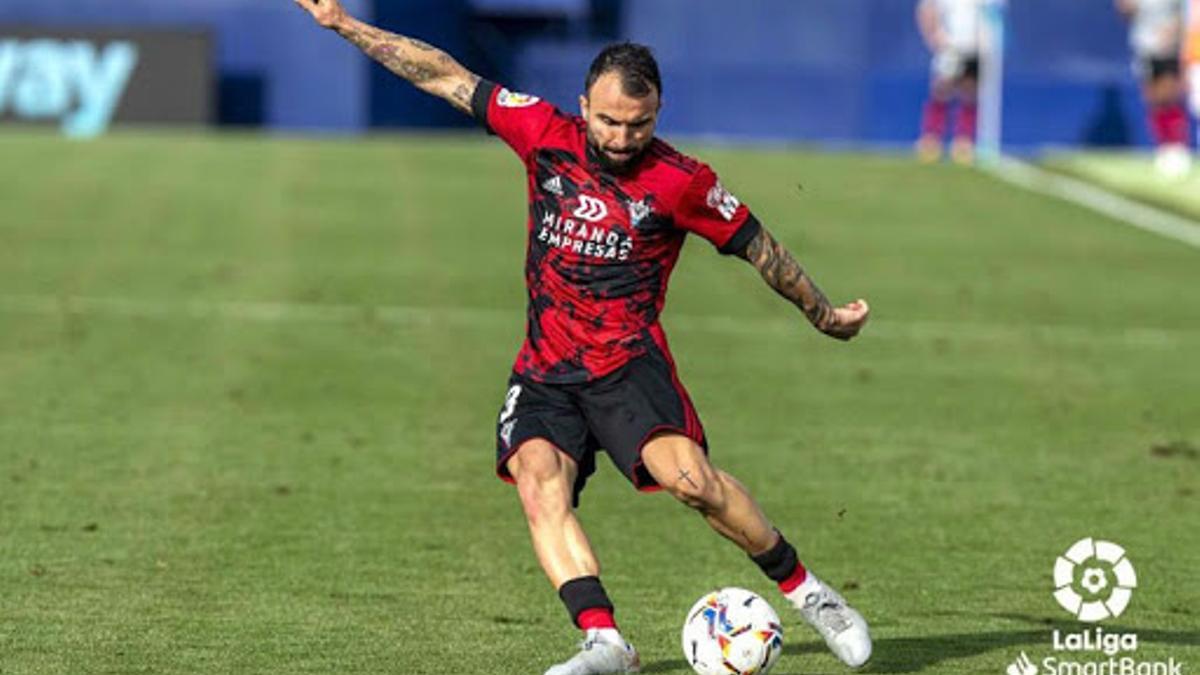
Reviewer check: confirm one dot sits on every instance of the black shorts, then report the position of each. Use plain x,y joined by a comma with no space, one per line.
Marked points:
1152,68
617,413
953,66
970,68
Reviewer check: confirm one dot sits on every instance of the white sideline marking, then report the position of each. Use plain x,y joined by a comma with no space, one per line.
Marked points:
1097,199
287,312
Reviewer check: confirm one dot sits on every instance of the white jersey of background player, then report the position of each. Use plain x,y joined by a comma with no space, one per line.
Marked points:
1191,53
951,29
958,24
1154,27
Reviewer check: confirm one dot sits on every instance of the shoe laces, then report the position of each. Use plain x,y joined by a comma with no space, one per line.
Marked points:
593,638
829,610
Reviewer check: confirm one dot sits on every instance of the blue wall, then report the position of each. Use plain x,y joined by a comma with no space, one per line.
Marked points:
842,70
857,70
283,71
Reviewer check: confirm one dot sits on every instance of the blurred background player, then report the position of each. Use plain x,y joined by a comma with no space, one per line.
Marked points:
1191,55
1155,35
951,30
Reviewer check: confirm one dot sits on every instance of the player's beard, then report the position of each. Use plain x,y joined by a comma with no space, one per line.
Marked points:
611,165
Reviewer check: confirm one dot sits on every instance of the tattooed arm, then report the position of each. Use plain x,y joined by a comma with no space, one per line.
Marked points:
781,271
429,69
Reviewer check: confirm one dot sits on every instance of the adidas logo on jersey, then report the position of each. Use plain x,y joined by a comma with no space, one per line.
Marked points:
554,186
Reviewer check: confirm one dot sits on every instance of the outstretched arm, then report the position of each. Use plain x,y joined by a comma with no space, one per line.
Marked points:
430,69
781,271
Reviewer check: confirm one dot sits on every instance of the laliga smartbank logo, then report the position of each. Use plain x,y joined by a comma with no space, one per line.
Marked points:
1094,581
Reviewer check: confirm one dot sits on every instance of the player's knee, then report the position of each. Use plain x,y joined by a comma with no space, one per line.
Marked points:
542,480
543,502
700,489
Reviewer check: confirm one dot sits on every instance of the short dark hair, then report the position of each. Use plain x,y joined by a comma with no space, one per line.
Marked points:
634,63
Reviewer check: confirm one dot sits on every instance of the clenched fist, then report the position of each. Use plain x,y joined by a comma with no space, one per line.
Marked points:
327,13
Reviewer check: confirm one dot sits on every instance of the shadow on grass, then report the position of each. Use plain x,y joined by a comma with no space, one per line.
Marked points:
666,666
914,654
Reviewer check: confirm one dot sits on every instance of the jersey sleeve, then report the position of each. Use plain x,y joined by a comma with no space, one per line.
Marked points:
520,120
709,210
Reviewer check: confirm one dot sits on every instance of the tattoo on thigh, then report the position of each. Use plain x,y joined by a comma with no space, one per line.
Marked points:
685,476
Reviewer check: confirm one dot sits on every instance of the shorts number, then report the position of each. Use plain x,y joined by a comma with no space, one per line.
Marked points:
510,403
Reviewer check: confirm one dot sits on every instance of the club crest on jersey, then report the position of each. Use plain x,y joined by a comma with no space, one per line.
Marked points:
638,212
511,99
725,203
591,209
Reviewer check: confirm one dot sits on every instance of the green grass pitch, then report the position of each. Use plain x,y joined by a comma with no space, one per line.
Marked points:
1132,174
248,387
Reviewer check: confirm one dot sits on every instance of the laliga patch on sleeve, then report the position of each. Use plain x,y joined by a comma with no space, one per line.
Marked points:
509,99
720,199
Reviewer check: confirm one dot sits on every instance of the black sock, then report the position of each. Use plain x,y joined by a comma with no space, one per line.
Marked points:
778,563
583,594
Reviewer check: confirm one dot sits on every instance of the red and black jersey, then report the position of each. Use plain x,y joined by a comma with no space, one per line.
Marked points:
601,246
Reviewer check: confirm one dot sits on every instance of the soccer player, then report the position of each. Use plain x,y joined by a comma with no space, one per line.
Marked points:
1155,35
610,206
951,30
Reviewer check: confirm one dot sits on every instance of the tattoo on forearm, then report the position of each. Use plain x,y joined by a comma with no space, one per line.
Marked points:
781,271
461,98
418,73
422,45
396,59
416,61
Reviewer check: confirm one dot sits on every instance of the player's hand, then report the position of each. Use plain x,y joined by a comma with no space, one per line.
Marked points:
848,320
327,13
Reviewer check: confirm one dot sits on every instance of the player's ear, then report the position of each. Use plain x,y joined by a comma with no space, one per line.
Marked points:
583,105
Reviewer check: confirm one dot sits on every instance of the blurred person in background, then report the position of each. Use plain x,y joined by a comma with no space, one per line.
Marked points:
1191,55
951,29
1156,35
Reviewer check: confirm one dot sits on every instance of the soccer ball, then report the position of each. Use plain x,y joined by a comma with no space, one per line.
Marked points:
732,631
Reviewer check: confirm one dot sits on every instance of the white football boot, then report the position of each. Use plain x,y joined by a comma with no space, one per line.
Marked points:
1173,161
844,629
600,654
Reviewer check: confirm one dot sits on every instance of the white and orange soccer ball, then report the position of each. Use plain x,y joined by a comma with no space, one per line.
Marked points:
732,631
